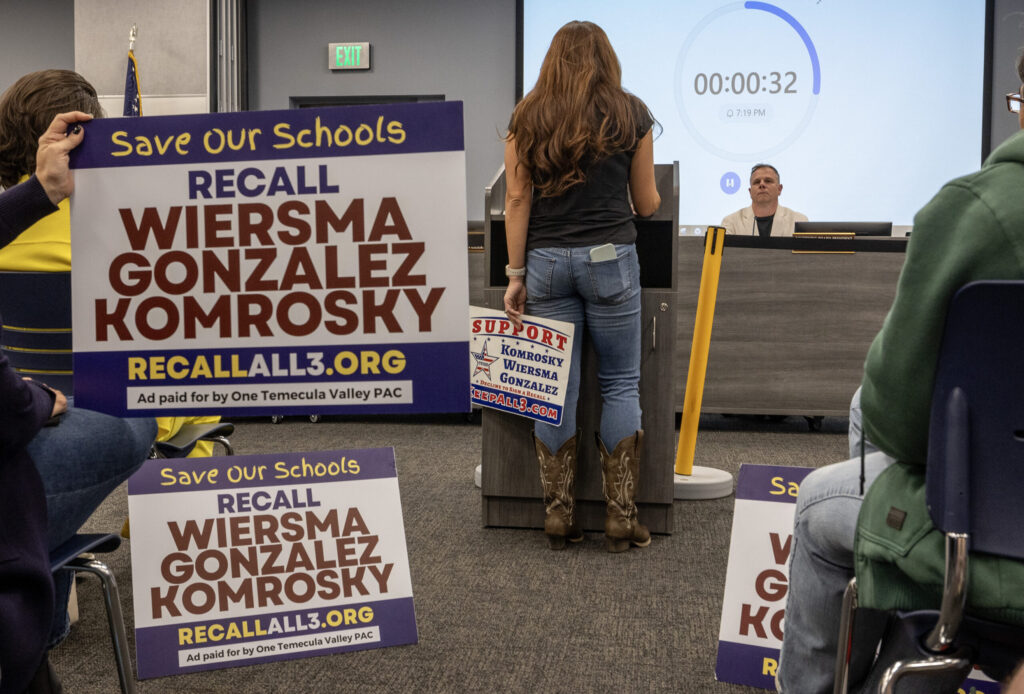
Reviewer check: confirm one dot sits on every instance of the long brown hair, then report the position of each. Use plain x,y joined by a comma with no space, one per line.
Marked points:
26,110
577,112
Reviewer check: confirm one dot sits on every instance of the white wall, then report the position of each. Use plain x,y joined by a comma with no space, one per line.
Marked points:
463,49
34,36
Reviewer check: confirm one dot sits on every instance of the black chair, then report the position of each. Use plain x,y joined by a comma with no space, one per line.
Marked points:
36,338
68,557
182,442
973,483
36,310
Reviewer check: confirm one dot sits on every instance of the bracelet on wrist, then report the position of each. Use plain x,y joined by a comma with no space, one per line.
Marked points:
515,271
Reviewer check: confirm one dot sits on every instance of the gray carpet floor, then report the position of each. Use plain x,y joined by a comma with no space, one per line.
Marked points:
496,610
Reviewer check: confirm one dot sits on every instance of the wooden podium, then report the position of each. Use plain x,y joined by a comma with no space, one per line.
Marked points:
510,476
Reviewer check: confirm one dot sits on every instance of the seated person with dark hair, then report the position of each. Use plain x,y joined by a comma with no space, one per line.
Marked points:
972,229
765,216
46,245
84,455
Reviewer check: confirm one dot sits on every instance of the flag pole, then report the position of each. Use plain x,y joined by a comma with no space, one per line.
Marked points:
132,87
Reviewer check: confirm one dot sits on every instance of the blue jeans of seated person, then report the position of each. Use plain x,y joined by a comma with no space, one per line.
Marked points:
821,564
82,460
856,428
603,297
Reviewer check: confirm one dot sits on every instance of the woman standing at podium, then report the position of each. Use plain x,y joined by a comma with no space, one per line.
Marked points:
578,148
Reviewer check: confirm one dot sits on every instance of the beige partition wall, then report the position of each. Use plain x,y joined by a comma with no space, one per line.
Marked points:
171,48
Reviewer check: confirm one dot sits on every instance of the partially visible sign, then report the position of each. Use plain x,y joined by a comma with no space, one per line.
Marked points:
757,575
757,579
248,559
348,56
523,371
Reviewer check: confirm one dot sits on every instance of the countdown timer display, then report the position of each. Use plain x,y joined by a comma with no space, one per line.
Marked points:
887,95
763,104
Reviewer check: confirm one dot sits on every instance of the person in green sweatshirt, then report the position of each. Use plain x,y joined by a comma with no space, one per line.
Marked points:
973,229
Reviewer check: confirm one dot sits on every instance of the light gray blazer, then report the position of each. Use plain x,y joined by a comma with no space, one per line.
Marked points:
742,221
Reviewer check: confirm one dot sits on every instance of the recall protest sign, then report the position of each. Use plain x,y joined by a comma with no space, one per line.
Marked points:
757,579
757,574
245,559
519,370
272,262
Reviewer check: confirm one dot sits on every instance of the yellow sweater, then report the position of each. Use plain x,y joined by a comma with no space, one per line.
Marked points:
43,247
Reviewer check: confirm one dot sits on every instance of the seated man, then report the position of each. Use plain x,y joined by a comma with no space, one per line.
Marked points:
765,216
972,229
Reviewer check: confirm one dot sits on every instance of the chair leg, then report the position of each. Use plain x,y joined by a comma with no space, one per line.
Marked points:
115,618
222,440
842,675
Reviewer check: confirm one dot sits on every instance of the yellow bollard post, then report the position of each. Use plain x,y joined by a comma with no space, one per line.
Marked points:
714,241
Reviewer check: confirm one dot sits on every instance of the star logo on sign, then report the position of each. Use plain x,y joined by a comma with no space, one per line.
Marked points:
483,361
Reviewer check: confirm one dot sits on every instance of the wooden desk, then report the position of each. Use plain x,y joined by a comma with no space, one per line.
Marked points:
791,330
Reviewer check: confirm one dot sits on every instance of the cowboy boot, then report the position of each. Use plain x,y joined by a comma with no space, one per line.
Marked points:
557,474
619,471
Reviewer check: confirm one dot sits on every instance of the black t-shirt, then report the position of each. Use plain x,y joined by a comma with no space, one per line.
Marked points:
593,212
764,225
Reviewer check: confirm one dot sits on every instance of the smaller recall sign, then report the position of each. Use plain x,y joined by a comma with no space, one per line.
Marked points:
524,371
249,559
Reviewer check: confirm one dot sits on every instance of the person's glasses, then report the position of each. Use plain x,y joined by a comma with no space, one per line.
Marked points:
1013,102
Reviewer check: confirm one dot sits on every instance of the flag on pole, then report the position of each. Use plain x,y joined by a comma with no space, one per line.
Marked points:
132,91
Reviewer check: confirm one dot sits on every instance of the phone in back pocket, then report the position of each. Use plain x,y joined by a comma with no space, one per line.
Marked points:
603,252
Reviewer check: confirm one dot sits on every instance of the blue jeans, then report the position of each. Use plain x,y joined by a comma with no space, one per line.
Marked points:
821,564
856,429
82,460
603,297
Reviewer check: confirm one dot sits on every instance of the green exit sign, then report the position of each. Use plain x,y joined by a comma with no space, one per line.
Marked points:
348,56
